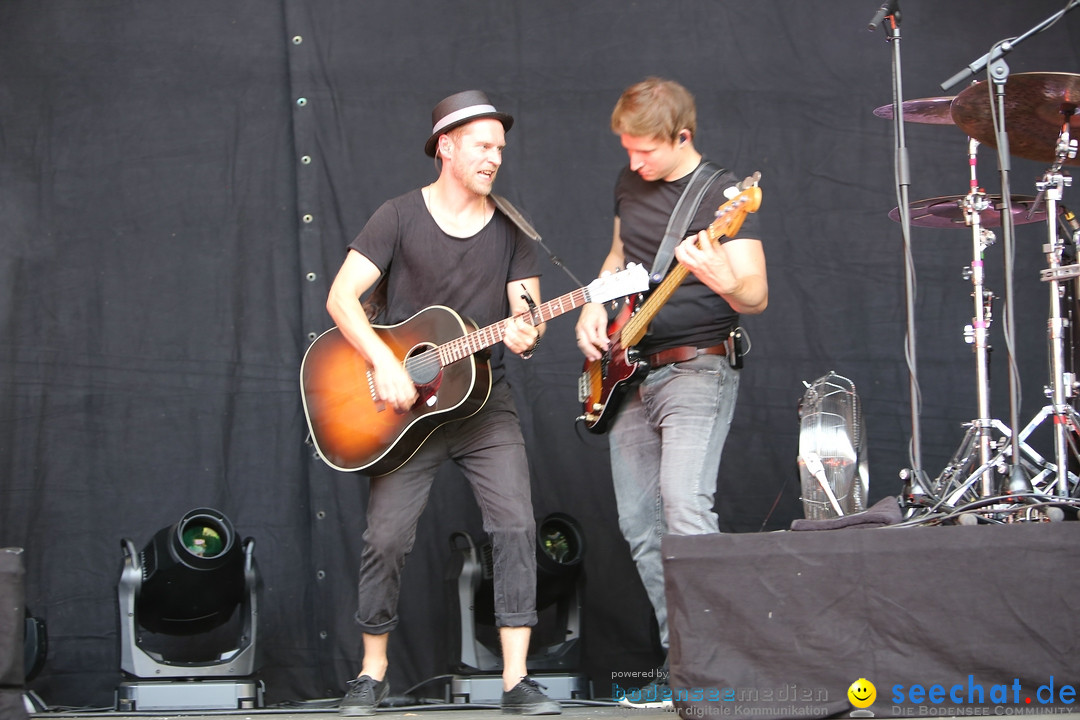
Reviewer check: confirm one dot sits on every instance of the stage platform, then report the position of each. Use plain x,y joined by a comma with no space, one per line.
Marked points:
942,621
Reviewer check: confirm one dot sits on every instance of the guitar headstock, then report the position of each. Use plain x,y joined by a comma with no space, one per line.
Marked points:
730,215
634,279
749,182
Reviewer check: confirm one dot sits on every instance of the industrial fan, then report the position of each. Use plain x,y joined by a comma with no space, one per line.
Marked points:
832,449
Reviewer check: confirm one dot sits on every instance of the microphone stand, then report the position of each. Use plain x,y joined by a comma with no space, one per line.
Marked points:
890,13
1001,49
999,72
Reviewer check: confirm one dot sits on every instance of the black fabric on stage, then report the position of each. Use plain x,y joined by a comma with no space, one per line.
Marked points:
178,183
12,613
779,625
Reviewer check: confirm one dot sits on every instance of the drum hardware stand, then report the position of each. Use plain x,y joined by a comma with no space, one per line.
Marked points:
1039,475
976,333
955,489
998,74
977,445
1062,382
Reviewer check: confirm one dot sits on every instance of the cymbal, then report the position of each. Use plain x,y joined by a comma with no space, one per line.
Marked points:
948,212
931,111
1036,106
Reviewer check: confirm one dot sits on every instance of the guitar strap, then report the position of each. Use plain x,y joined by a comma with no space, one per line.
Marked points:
515,216
681,216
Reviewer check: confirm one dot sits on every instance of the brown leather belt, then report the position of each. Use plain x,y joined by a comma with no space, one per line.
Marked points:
684,353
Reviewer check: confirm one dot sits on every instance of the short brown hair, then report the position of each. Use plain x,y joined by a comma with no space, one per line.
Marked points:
655,108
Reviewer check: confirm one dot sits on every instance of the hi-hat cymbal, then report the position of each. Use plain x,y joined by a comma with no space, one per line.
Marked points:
931,111
1036,107
948,212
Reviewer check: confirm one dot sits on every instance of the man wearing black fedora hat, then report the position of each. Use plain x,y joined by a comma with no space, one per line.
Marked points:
445,245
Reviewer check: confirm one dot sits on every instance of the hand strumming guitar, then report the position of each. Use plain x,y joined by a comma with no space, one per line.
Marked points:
591,331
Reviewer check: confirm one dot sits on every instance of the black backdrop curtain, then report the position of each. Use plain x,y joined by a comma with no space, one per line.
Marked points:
177,185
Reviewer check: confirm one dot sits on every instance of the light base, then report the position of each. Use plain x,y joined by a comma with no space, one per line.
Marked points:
193,694
488,689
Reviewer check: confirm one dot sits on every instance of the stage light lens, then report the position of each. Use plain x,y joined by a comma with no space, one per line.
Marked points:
560,540
556,545
202,540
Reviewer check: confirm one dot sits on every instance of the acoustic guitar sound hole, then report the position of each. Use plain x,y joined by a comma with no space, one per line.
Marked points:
423,364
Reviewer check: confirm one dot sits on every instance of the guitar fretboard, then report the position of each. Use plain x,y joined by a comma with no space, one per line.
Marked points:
729,218
466,345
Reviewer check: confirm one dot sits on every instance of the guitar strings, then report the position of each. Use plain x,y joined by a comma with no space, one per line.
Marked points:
462,347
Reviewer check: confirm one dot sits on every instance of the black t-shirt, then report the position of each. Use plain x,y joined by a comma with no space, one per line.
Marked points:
694,314
424,266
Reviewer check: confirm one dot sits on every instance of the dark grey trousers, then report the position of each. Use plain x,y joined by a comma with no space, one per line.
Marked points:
489,449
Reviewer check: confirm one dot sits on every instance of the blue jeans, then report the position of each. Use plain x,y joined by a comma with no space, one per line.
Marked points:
489,449
665,455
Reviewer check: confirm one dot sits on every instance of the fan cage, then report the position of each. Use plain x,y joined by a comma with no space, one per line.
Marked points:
832,449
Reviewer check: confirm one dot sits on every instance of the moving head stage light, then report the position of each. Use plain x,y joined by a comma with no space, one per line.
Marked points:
554,650
188,610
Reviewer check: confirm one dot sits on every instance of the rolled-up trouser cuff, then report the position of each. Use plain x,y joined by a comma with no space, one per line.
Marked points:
519,619
379,629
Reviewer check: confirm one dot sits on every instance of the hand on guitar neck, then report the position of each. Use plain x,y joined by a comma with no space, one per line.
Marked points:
734,270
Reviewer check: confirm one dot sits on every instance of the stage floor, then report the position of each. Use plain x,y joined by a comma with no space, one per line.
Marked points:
572,712
571,709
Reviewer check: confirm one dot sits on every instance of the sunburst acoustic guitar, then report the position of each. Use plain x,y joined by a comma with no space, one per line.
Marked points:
353,430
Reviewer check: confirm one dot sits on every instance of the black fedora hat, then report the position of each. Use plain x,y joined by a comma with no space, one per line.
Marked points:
459,109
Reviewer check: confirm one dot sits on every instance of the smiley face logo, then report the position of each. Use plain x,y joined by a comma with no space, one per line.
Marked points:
862,693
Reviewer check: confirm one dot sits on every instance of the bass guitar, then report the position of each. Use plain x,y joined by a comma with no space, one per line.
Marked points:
352,429
604,382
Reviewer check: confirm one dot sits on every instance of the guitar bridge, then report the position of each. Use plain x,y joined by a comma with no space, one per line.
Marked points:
583,387
380,404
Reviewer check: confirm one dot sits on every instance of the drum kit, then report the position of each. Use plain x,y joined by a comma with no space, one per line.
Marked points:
1041,123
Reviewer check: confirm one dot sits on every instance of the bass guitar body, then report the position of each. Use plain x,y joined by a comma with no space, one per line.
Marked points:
604,382
355,431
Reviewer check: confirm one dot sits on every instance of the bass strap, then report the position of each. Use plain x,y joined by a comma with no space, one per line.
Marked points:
681,216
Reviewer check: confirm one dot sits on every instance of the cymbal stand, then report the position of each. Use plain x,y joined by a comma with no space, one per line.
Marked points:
955,481
1062,382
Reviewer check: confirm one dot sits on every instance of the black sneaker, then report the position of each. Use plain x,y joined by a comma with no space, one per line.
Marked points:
526,698
364,695
656,694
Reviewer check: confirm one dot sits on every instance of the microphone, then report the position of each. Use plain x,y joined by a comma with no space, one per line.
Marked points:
879,16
